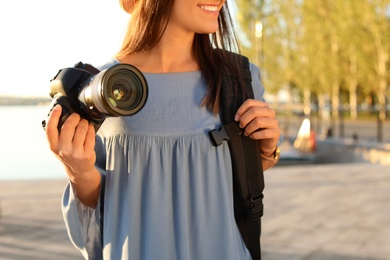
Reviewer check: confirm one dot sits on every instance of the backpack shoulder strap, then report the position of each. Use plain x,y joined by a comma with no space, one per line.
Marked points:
248,179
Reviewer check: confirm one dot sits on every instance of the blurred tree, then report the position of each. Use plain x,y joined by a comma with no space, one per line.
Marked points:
376,25
319,47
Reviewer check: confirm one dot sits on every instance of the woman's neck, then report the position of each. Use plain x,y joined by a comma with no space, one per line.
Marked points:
171,54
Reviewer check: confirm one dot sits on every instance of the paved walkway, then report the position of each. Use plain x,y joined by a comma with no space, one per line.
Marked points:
31,224
327,212
312,212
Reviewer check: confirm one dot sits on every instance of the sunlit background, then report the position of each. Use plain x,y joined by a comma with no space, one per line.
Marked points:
326,68
37,39
40,37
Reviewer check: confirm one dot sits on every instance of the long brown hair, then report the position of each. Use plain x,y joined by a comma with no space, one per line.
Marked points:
149,19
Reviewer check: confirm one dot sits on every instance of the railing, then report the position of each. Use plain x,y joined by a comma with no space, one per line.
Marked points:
367,126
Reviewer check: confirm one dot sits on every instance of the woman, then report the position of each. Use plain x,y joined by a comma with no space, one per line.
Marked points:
167,189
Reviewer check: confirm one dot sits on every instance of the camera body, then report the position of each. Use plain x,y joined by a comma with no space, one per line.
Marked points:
120,90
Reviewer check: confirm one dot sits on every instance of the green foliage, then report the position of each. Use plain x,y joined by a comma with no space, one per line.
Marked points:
326,47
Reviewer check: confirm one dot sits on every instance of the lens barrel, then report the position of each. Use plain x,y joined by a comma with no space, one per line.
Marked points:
120,90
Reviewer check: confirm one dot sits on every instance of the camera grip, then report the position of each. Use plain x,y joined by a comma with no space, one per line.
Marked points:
67,110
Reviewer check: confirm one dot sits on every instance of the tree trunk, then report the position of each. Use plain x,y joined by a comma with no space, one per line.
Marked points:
335,100
335,82
382,99
353,82
306,101
383,58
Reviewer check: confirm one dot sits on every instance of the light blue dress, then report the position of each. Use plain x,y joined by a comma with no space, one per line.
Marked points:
168,190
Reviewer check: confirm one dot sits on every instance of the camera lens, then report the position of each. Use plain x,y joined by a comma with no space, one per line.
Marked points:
120,90
124,91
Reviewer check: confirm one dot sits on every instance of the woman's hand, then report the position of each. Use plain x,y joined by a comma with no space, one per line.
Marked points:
74,146
259,122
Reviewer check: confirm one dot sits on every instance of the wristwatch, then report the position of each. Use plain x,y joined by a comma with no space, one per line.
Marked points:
277,154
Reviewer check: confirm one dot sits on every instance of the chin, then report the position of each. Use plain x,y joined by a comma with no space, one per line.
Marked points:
208,31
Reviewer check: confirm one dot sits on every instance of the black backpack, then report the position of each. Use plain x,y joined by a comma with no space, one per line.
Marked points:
248,178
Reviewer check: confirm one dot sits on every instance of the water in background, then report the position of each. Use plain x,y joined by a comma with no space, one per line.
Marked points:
24,152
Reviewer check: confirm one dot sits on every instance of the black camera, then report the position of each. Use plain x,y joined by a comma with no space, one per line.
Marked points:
120,90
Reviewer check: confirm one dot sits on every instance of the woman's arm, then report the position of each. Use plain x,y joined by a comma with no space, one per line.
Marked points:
74,147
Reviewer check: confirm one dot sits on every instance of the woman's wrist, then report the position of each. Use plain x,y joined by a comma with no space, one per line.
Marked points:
273,156
87,187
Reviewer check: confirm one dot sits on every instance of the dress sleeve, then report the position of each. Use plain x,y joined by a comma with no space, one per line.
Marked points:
83,223
258,88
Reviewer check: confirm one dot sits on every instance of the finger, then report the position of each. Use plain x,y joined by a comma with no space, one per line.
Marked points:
258,124
80,133
266,133
248,104
90,139
51,127
68,129
255,114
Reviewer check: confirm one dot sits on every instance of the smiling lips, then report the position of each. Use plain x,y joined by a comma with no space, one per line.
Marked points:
209,8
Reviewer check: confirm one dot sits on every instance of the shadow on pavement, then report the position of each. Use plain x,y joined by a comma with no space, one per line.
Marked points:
315,256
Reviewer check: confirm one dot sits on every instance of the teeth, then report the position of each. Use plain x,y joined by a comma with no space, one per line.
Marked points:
209,8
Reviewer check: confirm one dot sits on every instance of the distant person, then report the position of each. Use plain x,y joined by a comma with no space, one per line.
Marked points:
167,190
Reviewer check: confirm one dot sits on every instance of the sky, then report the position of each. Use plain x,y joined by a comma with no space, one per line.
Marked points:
37,38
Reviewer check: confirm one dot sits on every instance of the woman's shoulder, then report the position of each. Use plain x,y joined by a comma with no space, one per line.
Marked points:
255,70
257,85
109,63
